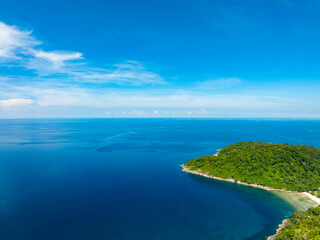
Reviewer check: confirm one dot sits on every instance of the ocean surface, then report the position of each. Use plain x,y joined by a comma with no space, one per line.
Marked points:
101,179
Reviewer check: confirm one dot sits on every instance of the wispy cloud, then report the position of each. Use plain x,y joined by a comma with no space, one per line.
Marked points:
129,73
61,99
69,95
15,42
219,83
15,102
63,83
57,58
20,49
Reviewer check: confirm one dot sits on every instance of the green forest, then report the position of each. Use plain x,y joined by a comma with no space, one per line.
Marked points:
302,225
280,166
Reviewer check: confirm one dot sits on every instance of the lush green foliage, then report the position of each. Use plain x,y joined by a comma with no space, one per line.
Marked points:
315,193
302,225
280,166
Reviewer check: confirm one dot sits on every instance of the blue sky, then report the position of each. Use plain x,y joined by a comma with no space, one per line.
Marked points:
121,58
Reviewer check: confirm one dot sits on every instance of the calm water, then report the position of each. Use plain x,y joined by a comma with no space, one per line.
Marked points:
120,179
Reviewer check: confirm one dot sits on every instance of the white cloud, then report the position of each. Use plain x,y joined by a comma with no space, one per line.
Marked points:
124,73
69,95
47,63
66,99
57,58
14,42
130,65
15,102
19,48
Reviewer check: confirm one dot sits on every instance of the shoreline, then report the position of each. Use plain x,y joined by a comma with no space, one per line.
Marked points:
186,169
314,198
294,198
300,201
281,226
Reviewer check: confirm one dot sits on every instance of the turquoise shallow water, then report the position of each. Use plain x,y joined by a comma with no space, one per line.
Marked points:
121,179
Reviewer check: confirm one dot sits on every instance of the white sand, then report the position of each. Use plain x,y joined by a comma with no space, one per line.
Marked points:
314,198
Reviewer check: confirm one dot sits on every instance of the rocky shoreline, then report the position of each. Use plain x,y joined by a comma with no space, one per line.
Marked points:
280,228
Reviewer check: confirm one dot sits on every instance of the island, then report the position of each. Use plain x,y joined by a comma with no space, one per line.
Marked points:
281,167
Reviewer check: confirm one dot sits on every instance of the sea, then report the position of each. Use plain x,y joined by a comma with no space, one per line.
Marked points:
105,179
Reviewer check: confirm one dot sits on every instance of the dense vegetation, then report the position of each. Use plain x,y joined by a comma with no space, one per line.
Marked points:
280,166
315,193
302,225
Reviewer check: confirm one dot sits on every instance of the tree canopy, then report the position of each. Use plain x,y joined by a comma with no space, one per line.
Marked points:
302,225
280,166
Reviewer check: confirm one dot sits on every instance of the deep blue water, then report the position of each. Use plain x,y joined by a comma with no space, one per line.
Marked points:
94,179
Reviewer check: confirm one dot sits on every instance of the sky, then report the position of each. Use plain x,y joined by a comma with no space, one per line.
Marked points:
168,58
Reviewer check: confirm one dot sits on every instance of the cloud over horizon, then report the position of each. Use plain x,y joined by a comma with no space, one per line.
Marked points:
58,83
14,102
